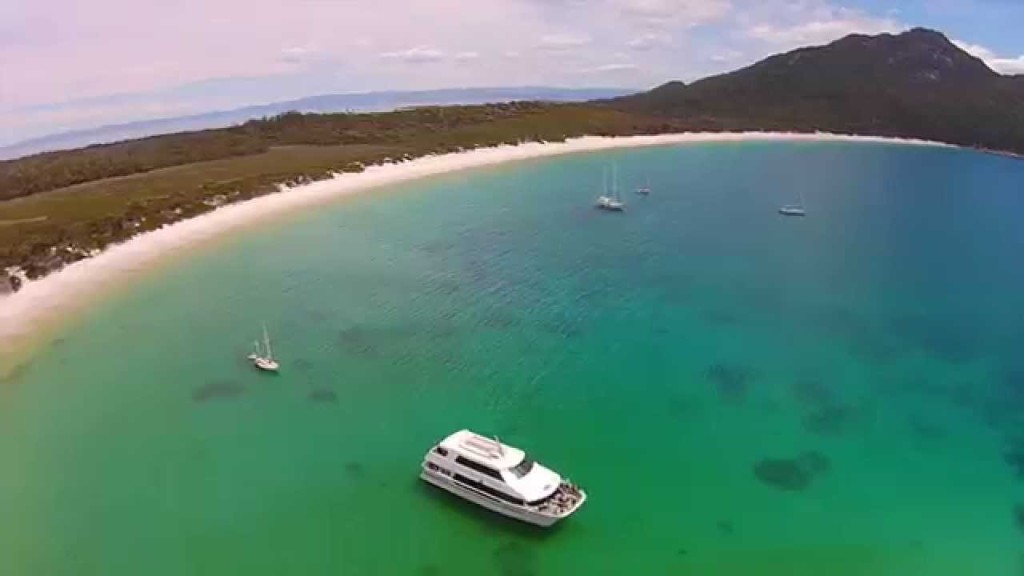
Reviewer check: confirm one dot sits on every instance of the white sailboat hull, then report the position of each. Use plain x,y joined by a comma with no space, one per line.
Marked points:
263,358
265,364
507,509
606,203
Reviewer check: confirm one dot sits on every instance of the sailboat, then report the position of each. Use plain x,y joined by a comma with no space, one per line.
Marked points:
794,209
645,189
263,357
611,203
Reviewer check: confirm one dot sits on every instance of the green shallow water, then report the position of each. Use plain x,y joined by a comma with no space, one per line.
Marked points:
656,357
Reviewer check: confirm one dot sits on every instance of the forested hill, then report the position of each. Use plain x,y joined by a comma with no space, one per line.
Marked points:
916,84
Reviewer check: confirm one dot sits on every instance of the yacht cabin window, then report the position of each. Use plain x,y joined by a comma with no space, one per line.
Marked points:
478,467
523,468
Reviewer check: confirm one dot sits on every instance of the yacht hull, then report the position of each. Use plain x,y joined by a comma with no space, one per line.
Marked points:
264,364
492,504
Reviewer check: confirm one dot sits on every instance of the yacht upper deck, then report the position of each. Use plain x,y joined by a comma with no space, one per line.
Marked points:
486,451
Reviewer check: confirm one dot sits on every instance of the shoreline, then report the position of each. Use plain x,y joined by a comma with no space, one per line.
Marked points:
42,305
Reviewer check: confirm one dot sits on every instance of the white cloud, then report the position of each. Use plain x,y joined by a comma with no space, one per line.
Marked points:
785,24
649,41
1001,65
416,55
563,41
466,56
298,54
726,56
680,13
820,31
1008,65
609,68
975,50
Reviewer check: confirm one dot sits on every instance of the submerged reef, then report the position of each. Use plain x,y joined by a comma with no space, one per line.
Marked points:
730,381
792,474
218,389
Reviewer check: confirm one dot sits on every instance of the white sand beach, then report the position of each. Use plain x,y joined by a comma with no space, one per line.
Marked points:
41,305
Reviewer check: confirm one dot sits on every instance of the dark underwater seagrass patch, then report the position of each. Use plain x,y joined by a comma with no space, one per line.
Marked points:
792,474
731,381
218,390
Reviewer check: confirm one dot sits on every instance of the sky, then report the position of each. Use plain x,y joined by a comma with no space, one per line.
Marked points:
70,64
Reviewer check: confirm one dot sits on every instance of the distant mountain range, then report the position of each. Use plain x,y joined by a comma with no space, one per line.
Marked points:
916,84
361,102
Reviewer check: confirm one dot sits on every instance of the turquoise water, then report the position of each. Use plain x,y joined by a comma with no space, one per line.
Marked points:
739,393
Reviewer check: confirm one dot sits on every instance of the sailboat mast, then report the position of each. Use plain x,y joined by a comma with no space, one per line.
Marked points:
615,181
266,342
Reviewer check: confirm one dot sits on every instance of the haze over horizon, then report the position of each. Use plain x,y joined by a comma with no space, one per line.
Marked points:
114,61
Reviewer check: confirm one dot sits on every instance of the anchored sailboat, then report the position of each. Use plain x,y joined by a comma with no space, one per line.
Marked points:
611,203
263,357
794,209
645,189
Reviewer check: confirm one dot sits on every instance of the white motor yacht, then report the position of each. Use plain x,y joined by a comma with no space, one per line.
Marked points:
500,478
